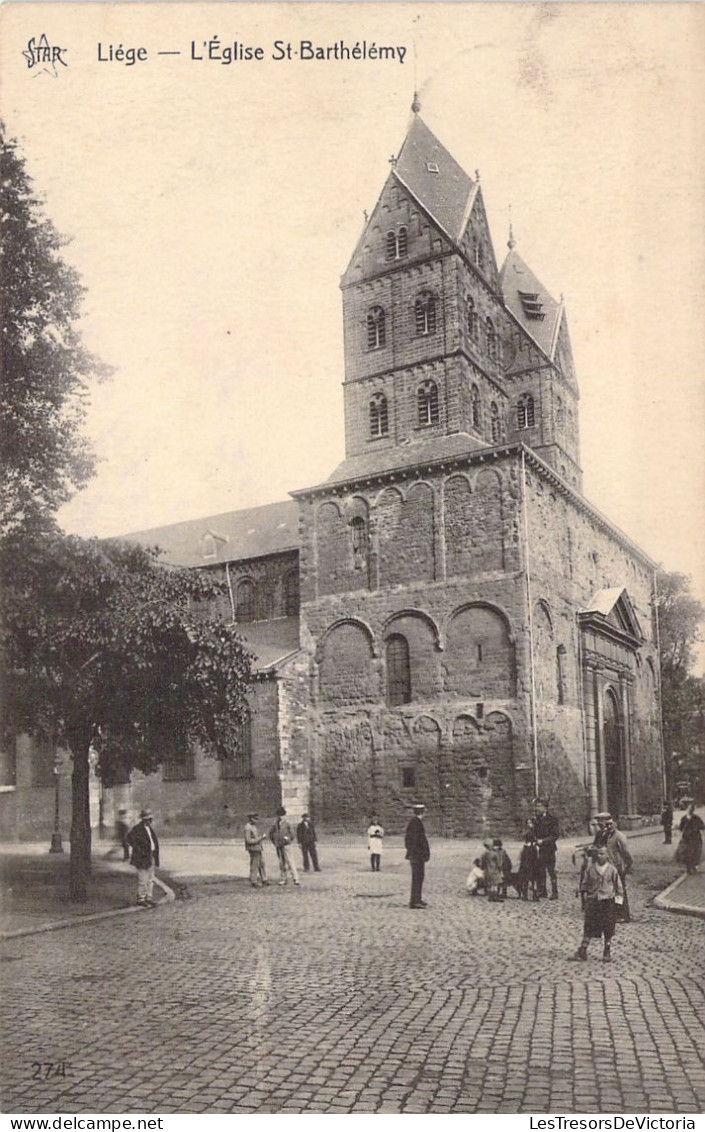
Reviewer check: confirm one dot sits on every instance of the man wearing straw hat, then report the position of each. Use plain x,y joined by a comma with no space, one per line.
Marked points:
144,846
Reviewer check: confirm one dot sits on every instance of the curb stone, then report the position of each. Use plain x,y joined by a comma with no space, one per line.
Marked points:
57,925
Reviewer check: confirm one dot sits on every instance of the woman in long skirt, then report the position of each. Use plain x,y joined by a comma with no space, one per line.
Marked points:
690,849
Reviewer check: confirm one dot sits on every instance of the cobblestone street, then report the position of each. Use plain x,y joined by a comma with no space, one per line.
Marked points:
336,997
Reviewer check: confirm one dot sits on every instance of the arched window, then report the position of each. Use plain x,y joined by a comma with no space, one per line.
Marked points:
425,314
358,537
291,594
427,400
559,413
475,408
376,328
479,255
495,424
379,415
525,411
245,601
473,321
397,243
492,349
398,671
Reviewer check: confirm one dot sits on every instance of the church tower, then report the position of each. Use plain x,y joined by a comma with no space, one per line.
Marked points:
443,352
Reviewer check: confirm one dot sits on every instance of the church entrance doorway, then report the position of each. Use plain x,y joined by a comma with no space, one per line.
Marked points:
614,756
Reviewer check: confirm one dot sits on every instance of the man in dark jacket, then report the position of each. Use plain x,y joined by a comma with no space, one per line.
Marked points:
417,854
545,828
144,845
306,837
667,822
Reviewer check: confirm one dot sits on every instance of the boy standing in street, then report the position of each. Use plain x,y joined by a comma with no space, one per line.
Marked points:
602,891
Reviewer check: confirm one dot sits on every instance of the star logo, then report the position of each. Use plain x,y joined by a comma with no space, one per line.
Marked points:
42,58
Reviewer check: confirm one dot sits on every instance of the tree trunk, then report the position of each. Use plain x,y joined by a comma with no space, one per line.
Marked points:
80,864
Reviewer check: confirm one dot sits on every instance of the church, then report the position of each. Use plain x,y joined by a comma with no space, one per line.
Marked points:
446,617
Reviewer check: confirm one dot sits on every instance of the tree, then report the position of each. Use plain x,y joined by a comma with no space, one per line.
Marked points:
46,368
104,647
680,617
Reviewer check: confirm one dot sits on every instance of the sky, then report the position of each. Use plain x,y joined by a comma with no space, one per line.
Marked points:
213,206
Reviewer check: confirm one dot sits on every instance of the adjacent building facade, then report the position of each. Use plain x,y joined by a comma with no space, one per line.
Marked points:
446,617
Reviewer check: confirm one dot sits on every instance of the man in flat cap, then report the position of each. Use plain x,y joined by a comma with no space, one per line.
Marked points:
546,833
253,845
609,837
144,845
418,853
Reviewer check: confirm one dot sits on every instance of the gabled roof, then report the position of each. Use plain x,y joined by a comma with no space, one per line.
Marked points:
438,183
614,606
530,303
250,533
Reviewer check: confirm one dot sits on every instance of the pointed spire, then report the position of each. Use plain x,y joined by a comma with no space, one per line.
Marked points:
416,104
511,242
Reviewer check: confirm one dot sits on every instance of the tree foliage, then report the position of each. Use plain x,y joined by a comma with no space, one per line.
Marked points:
104,647
46,368
680,617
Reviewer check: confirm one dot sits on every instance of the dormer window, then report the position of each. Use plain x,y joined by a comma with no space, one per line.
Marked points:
379,416
432,167
427,399
425,314
532,305
397,243
376,328
525,411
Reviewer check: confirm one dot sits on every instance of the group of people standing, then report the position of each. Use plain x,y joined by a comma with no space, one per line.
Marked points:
282,837
602,886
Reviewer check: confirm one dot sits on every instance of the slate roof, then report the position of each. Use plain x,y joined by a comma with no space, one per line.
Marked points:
250,533
375,462
272,642
446,195
515,277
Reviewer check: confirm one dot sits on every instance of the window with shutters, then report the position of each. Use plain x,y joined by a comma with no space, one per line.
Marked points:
379,416
427,403
425,314
376,328
525,411
397,243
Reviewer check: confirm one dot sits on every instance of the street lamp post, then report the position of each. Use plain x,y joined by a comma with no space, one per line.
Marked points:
56,846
